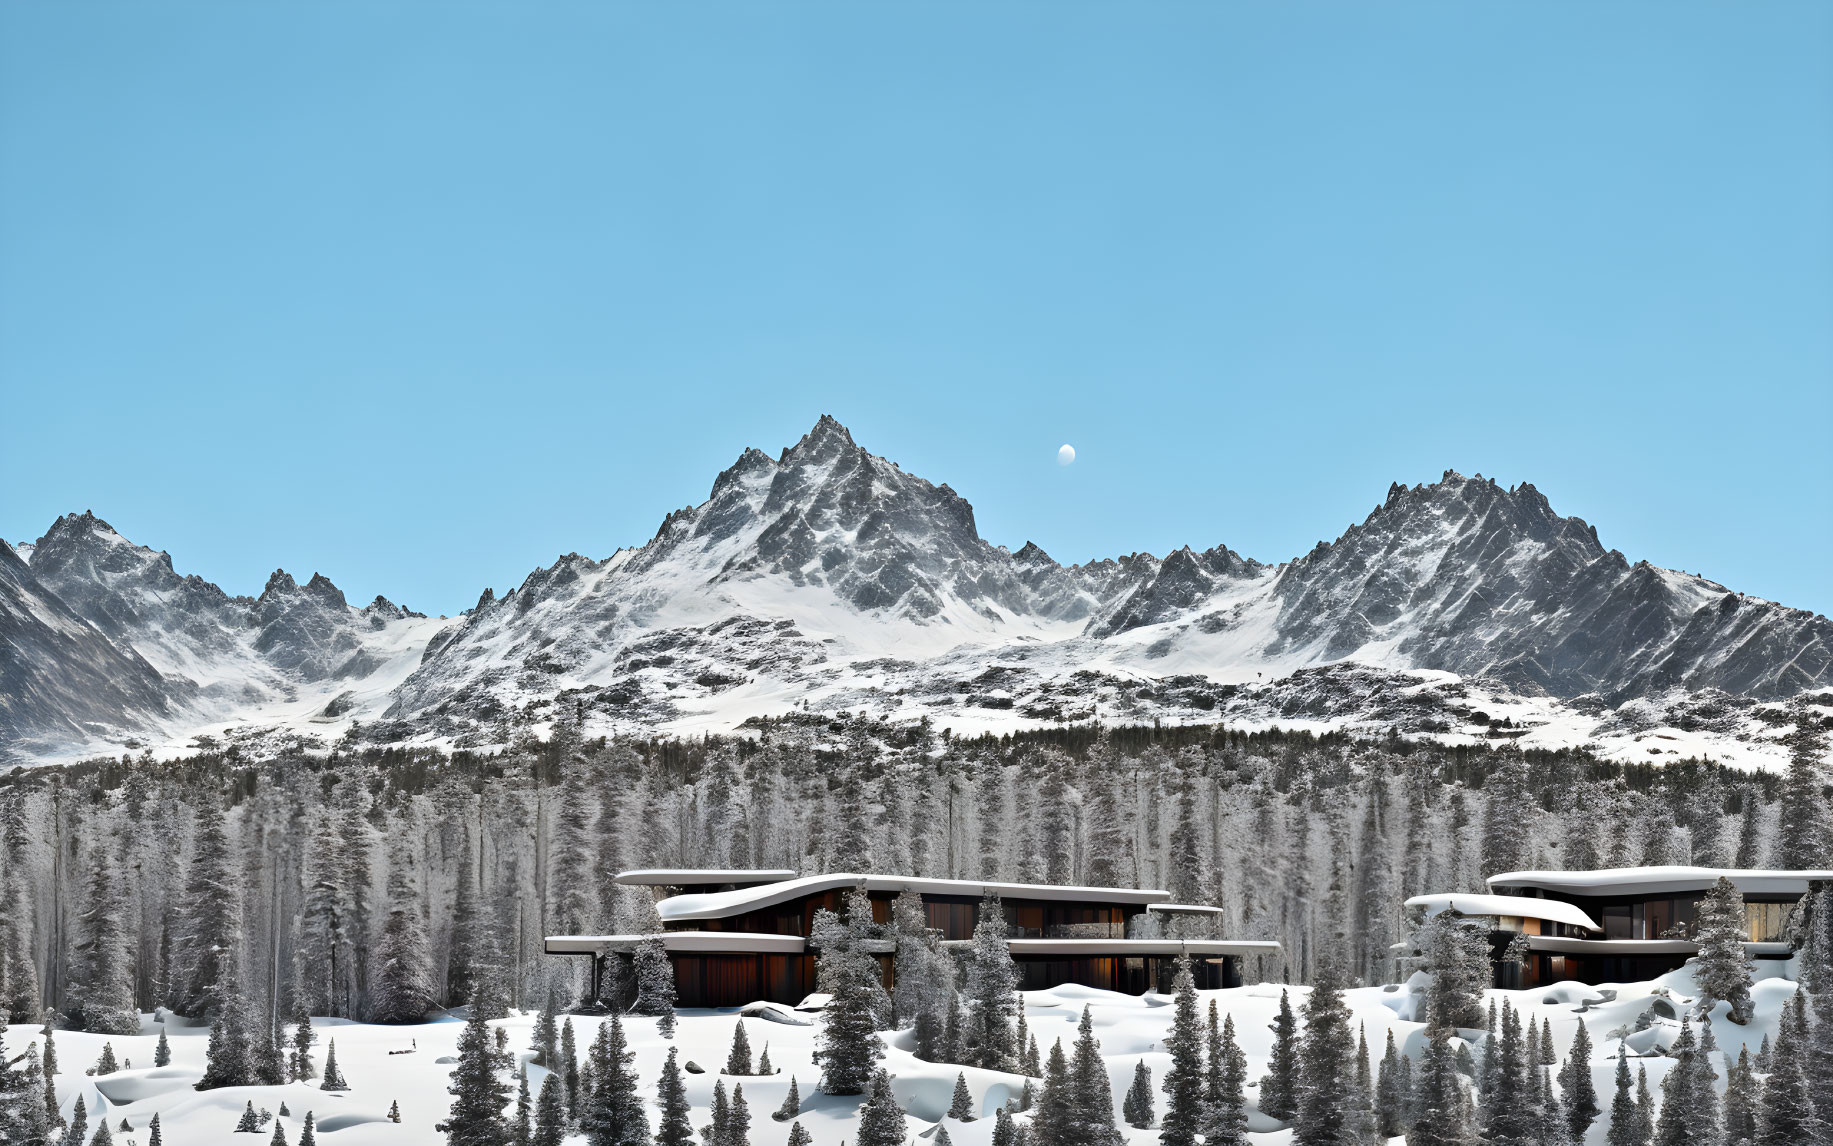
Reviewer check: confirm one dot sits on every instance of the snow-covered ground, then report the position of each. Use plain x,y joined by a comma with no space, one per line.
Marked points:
1130,1029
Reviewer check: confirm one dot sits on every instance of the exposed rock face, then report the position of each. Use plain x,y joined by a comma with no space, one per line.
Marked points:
58,674
829,575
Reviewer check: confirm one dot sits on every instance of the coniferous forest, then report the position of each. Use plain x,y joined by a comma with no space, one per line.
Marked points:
389,887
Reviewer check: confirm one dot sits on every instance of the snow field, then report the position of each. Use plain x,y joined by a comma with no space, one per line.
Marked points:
1130,1029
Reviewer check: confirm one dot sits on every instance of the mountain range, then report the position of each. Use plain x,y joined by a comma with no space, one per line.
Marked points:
828,580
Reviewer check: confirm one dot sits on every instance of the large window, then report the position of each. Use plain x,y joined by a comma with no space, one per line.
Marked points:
1768,922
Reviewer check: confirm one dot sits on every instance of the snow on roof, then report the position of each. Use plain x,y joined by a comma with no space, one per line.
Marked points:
695,877
1518,906
1133,947
721,904
1655,880
1184,908
745,942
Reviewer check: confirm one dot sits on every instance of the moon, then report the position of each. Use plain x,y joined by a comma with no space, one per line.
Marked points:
1066,454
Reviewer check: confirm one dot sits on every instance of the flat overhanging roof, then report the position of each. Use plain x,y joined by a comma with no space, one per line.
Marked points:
1134,948
696,877
1184,908
1661,879
1514,906
723,904
1559,946
683,942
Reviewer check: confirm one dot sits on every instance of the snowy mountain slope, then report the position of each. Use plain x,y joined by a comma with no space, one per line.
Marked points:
213,656
827,579
59,675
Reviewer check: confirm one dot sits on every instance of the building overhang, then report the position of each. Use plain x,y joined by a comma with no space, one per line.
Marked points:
1662,880
700,877
1184,908
1127,948
1553,945
1506,906
682,943
725,904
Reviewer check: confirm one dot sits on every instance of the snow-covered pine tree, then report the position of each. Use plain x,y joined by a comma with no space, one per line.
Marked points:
992,997
1391,1093
1722,968
279,1138
209,933
738,1061
402,988
1803,831
1136,1108
1743,1101
798,1135
1581,1096
105,1063
162,1050
792,1102
613,1115
1625,1127
1509,1110
1689,1105
104,994
1091,1094
1788,1116
229,1058
333,1078
478,1095
1816,955
923,976
1329,1112
738,1119
1645,1106
675,1127
1225,1114
961,1103
1184,1078
78,1133
103,1136
881,1120
848,1045
655,985
1439,1106
568,1069
522,1129
1279,1089
550,1113
1005,1133
1455,950
1052,1119
764,1065
250,1122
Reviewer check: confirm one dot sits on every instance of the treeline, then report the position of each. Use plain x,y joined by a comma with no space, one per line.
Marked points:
390,883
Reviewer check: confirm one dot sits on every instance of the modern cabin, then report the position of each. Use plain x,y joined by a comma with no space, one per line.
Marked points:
1620,925
738,937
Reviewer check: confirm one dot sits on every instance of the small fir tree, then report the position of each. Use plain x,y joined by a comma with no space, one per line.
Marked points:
300,1063
251,1122
1722,968
881,1120
613,1114
1136,1108
1279,1089
1581,1096
308,1131
550,1113
334,1078
106,1064
1184,1079
961,1104
798,1136
675,1127
162,1050
739,1060
478,1095
792,1103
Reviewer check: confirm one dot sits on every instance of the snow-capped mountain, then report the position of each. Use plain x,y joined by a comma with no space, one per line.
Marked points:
828,579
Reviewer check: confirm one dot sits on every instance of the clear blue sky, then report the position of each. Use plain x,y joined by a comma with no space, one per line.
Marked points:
423,295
